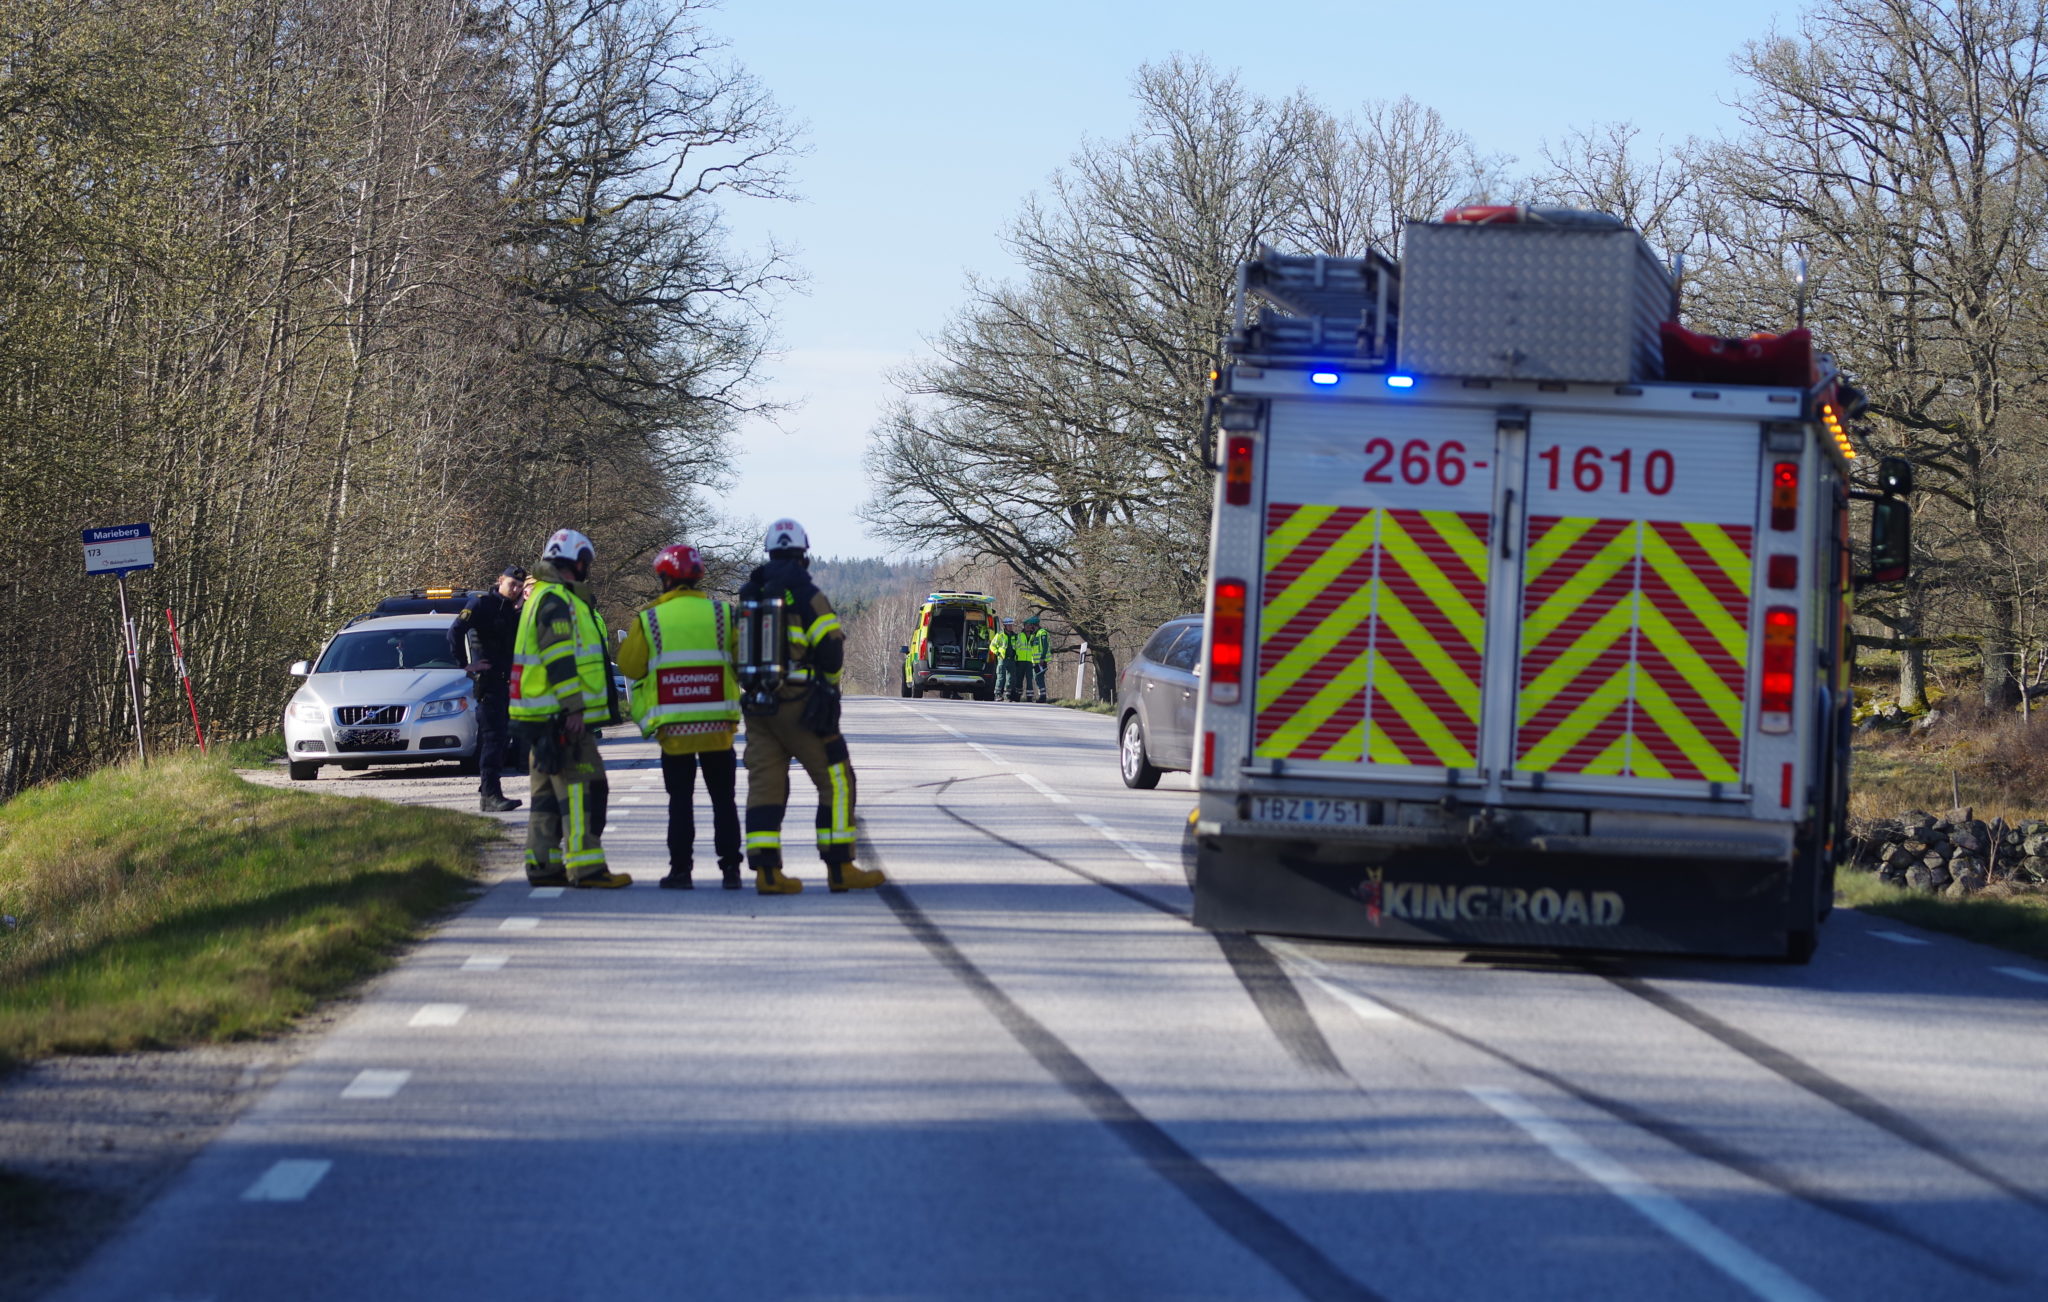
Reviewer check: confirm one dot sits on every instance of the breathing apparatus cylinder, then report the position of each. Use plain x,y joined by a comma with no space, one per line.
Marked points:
764,653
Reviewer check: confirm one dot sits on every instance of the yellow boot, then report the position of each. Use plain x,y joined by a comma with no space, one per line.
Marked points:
845,877
768,880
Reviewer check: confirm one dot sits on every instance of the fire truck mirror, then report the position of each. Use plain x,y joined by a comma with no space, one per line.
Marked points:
1891,540
1895,475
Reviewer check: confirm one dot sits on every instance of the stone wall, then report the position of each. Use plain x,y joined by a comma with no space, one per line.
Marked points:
1953,856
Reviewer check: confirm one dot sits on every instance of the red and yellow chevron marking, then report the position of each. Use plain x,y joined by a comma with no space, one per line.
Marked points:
1372,635
1635,646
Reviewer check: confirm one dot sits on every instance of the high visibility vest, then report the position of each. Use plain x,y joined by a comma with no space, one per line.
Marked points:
1033,647
689,676
533,699
999,646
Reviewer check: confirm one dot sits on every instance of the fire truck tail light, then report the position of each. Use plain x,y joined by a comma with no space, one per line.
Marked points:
1785,495
1226,643
1237,471
1780,669
1208,754
1783,572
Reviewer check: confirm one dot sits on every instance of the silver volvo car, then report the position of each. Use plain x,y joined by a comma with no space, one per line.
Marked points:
385,690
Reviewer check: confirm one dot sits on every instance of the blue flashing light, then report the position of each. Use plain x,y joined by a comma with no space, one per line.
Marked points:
1400,381
1324,378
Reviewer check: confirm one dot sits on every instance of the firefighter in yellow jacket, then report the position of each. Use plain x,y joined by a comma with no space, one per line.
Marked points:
678,656
561,689
798,718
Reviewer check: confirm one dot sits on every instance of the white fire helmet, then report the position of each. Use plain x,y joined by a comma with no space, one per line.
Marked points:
567,545
785,534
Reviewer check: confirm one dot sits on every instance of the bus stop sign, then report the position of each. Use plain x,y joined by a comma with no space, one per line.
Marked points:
123,549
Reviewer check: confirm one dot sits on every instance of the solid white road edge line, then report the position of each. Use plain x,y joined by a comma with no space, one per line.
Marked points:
1899,938
2024,974
288,1181
372,1083
1721,1251
484,962
519,924
438,1015
1328,981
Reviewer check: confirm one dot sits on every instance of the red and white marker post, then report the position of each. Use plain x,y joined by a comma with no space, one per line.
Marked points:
184,676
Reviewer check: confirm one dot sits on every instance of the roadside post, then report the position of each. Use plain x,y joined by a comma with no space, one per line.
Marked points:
185,677
1080,668
121,551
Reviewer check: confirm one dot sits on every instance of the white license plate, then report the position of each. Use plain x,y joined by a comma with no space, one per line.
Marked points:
1310,811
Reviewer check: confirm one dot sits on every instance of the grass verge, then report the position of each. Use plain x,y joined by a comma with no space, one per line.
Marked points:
1090,707
176,904
2010,917
255,752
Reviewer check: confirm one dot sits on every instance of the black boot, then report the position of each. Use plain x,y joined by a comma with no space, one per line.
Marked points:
494,802
729,874
678,879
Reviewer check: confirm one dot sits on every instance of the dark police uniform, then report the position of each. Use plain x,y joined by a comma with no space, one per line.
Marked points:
485,628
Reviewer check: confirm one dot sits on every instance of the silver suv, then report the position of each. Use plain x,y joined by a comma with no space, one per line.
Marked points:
385,690
1155,703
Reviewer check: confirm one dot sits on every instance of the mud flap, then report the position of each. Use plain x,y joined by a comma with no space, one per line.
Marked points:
1508,900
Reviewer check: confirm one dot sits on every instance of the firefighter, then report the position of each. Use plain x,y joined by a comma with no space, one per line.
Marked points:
800,719
561,690
678,656
482,639
1001,646
1034,648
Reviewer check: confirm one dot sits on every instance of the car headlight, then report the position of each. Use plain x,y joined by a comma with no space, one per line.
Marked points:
439,709
305,713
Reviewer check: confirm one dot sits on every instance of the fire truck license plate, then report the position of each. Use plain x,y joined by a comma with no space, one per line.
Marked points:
1309,811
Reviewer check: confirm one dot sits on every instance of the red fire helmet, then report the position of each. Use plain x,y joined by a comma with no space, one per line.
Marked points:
679,563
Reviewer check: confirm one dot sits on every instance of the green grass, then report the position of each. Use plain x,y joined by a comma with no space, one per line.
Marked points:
2010,917
177,904
1092,707
256,752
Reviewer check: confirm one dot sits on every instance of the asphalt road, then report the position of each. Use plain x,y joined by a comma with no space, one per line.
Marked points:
1019,1072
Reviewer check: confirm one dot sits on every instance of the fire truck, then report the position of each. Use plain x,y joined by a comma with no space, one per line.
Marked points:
1528,614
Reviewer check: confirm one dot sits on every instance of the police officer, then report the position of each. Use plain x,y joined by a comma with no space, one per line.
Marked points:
800,720
678,656
1003,647
561,690
1034,648
482,637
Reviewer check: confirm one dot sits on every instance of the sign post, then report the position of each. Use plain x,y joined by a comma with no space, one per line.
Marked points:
1080,667
121,551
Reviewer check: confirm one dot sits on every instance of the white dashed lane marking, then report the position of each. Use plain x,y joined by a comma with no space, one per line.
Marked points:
374,1084
1327,980
2024,974
288,1181
1760,1277
1898,938
483,962
1043,789
545,893
439,1015
520,924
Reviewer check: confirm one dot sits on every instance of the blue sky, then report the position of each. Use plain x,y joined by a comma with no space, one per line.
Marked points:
929,123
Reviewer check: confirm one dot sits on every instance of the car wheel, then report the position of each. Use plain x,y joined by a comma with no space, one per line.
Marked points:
985,692
304,771
1137,770
906,691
